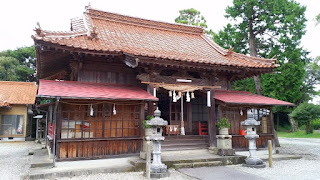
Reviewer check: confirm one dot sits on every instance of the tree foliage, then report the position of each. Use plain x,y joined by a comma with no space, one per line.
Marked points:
18,65
8,69
193,17
305,113
318,18
268,28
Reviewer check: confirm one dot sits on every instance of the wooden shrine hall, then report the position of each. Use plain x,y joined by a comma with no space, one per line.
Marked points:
101,79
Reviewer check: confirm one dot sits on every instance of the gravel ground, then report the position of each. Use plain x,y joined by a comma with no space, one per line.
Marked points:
15,163
302,169
14,159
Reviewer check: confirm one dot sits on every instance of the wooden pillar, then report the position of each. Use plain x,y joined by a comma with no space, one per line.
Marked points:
150,103
189,117
212,129
142,118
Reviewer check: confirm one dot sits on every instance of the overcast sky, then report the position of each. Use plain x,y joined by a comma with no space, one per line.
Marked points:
19,17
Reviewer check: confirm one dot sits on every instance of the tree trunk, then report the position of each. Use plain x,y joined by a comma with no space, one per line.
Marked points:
293,124
253,52
257,82
276,140
308,128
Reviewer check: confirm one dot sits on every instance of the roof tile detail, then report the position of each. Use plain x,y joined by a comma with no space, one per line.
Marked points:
18,92
147,38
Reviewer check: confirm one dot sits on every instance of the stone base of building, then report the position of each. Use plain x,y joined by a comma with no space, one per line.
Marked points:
226,152
213,150
12,139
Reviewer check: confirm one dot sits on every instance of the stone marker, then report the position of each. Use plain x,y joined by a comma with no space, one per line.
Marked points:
250,124
157,168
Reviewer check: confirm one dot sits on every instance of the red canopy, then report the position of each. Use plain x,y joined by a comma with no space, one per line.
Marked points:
87,90
242,97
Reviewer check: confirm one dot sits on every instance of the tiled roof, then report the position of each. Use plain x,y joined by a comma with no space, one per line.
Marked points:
87,90
241,97
110,32
18,92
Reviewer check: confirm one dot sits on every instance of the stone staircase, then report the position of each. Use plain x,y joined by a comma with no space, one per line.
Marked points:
197,164
188,142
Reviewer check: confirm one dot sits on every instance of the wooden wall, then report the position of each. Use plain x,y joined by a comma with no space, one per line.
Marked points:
82,135
239,141
234,117
107,73
94,149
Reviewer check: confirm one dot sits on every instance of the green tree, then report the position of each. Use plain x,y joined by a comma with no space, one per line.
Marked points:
318,18
265,28
193,17
24,70
8,67
233,37
305,113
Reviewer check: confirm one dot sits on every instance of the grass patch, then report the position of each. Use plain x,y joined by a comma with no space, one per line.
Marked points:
298,134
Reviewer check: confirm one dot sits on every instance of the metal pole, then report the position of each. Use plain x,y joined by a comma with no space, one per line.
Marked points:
55,133
270,152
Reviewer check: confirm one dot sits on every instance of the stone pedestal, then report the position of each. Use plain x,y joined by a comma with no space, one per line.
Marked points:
157,168
147,133
224,145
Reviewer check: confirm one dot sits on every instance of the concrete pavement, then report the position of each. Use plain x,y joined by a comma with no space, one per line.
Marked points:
218,173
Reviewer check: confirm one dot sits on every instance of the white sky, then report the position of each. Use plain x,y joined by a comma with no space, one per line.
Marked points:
19,17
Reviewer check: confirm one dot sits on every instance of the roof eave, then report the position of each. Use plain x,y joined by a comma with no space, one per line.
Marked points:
96,98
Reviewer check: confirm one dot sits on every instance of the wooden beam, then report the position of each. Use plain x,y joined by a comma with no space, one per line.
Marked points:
180,84
150,103
212,130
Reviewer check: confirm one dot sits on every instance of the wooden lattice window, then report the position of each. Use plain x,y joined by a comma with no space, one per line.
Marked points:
78,122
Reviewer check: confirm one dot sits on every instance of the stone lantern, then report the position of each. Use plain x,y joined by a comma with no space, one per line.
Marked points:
250,124
157,168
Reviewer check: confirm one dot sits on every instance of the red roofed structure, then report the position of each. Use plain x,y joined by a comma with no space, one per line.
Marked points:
114,70
86,90
247,98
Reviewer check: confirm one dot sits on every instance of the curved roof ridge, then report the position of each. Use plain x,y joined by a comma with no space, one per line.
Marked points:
214,45
96,13
262,60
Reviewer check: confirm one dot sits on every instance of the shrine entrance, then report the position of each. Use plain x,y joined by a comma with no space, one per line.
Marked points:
195,112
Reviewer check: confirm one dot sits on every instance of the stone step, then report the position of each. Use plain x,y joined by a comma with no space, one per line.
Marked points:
182,140
197,164
184,144
185,137
175,147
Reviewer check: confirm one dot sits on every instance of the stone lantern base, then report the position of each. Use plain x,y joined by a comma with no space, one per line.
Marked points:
224,145
159,171
254,166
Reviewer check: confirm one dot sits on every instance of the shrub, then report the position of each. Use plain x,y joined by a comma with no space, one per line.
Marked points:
223,123
305,113
144,123
316,124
